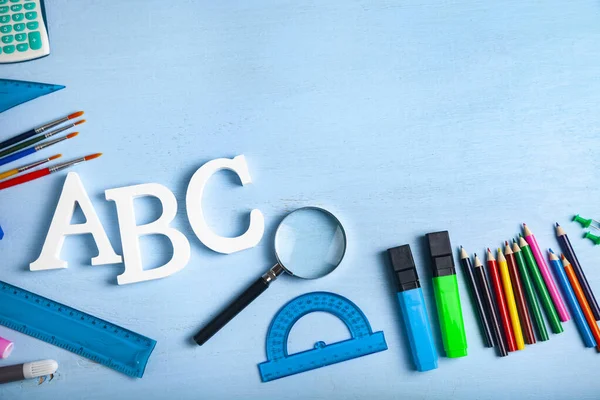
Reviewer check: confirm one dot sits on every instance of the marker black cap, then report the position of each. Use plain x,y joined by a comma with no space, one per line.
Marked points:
404,268
440,251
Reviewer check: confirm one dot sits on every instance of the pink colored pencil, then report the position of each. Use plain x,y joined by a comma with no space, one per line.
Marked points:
545,270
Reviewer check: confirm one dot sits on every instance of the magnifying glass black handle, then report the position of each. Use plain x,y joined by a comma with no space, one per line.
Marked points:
243,300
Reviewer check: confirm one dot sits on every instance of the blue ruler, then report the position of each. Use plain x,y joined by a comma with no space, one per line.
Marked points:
73,330
279,363
13,93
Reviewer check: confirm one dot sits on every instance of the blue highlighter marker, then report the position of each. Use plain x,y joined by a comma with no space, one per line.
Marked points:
414,312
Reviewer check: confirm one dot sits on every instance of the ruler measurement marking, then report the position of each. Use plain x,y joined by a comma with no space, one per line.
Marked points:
139,346
362,342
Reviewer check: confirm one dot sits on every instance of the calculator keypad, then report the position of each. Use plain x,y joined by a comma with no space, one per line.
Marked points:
19,26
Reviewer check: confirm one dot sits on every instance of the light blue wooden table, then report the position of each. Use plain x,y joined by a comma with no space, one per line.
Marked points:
402,117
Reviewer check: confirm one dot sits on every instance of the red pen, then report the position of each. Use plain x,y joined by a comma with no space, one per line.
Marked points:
501,302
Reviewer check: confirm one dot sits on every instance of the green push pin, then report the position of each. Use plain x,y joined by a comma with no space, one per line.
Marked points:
593,238
586,223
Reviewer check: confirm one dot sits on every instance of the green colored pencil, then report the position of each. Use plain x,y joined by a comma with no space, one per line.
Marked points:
551,313
37,139
530,293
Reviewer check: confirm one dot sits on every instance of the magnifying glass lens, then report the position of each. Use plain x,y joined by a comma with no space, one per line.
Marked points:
310,243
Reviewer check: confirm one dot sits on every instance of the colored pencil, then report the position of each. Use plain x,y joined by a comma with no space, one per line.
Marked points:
542,291
534,306
545,270
486,292
563,283
510,300
44,172
31,150
501,302
567,248
35,131
585,307
519,295
16,171
39,138
476,298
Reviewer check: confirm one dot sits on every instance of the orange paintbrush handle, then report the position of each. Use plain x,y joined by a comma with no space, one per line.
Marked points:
24,178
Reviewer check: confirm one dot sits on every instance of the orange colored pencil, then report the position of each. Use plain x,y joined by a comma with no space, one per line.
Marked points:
585,306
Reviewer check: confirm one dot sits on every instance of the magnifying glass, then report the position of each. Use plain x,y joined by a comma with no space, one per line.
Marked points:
310,243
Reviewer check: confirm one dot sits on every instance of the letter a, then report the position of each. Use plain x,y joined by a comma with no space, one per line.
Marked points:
73,193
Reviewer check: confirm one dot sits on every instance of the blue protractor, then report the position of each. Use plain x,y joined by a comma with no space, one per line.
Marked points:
362,342
13,93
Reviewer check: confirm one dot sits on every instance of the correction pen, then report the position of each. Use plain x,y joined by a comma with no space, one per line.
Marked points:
19,372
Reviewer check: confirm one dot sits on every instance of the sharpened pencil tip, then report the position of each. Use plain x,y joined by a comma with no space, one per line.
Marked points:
557,224
550,250
506,242
488,249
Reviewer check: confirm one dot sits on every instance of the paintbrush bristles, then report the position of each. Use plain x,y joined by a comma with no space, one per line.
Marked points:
75,115
92,156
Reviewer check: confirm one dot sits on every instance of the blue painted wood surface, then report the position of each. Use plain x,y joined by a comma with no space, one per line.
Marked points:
402,117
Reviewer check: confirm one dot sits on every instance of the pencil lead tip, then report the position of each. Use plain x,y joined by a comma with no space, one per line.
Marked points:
557,224
550,250
506,242
488,249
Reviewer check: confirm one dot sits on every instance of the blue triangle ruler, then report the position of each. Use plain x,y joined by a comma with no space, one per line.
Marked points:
13,93
363,341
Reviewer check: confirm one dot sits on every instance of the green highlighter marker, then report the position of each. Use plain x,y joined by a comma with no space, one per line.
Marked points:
447,299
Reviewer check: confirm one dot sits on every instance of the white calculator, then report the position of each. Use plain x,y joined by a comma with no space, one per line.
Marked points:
23,31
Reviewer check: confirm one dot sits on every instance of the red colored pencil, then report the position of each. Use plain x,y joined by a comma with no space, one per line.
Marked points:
501,302
515,279
44,171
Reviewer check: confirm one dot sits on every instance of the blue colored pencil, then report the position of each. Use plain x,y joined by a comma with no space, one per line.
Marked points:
578,317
